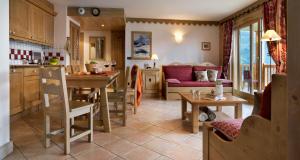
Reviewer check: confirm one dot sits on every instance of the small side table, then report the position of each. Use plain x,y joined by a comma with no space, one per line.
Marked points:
151,81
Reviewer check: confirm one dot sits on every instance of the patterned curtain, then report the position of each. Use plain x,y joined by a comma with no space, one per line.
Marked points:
227,44
282,27
275,18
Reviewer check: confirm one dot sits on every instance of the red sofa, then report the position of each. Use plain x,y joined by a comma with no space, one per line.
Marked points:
181,78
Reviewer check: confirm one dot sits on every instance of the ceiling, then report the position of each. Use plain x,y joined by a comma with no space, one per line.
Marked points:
100,23
203,10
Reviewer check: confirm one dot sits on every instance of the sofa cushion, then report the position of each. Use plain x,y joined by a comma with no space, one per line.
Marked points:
201,76
226,83
230,128
180,72
265,108
204,68
173,81
212,75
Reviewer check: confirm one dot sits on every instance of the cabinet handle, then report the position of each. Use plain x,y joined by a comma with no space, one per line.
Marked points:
34,71
149,79
13,70
10,32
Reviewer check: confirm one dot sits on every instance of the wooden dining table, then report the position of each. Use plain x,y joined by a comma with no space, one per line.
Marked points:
101,81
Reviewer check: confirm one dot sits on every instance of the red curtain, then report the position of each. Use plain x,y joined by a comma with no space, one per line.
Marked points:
275,18
227,44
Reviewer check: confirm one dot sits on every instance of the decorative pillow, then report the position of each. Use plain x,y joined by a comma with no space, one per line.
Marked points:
230,128
174,80
265,108
212,75
201,76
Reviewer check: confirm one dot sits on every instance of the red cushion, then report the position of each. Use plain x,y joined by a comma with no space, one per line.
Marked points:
265,109
230,128
226,83
173,81
180,72
204,68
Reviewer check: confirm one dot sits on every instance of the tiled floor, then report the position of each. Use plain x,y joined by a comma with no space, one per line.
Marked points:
156,132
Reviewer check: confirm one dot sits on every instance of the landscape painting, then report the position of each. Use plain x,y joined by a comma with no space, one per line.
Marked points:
141,45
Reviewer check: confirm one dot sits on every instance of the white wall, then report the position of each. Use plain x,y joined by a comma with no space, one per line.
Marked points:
106,34
60,29
168,51
4,73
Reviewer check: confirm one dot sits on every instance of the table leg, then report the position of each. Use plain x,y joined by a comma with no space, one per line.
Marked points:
105,109
219,108
183,109
238,110
195,120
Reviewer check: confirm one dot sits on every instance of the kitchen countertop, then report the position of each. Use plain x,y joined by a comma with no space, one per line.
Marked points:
32,65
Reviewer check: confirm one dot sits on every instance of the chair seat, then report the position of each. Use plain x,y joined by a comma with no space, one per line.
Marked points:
79,108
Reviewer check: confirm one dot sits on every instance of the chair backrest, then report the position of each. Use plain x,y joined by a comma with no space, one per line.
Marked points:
68,69
75,68
127,79
54,90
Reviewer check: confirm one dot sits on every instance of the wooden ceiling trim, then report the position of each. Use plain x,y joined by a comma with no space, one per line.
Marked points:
110,12
256,5
171,21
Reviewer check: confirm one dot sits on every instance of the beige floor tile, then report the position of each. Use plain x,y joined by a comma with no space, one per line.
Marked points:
105,138
163,158
141,153
118,158
184,153
160,145
80,146
170,124
120,147
139,125
97,154
140,138
156,131
194,142
124,132
16,155
175,137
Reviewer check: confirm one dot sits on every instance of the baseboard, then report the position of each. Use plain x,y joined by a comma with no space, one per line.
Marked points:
6,149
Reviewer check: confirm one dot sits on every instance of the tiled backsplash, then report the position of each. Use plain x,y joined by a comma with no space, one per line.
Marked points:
20,50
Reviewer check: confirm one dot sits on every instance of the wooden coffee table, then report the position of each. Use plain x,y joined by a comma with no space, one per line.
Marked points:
206,100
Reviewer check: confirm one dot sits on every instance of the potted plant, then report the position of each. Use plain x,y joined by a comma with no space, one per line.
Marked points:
91,65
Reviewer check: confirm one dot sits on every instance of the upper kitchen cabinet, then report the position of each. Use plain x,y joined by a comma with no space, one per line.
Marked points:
32,20
49,29
19,21
37,24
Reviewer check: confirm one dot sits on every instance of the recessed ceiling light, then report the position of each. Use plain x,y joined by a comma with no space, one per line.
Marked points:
102,25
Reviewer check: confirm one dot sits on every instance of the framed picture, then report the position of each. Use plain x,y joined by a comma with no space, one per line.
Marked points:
141,45
206,46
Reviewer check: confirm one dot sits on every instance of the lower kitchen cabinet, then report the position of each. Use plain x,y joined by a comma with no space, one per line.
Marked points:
16,91
24,88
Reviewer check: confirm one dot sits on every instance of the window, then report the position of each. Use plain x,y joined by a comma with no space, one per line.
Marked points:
252,66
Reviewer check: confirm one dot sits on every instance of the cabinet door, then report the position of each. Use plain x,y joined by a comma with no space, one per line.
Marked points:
31,90
16,91
37,24
49,29
19,18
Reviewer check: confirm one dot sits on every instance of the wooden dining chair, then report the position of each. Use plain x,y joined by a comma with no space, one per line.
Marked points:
120,96
132,86
57,106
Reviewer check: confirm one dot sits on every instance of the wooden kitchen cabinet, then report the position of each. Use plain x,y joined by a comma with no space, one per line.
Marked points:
19,19
16,91
151,81
32,20
24,88
49,29
31,90
37,24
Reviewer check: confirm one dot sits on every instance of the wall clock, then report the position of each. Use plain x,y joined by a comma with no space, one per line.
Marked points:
81,11
95,11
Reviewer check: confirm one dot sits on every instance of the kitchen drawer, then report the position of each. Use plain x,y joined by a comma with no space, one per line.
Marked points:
16,70
31,71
